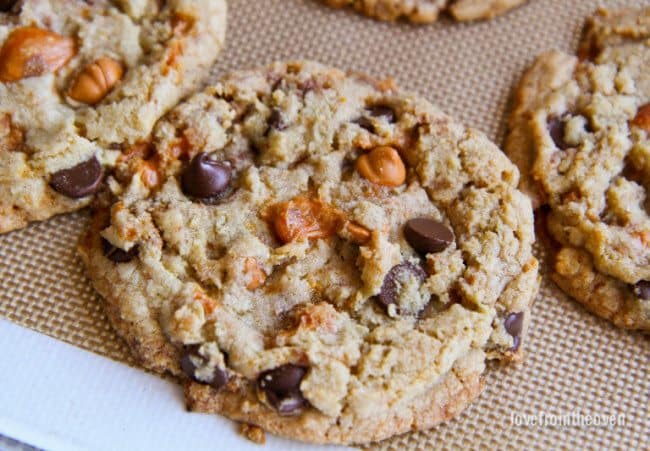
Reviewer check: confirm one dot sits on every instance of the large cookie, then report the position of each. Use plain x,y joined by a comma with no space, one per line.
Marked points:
322,255
79,80
425,11
580,136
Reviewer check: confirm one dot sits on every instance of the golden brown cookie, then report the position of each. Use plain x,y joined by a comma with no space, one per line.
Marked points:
80,81
426,11
322,255
580,136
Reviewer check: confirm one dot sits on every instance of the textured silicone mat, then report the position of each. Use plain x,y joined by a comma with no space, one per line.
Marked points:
576,364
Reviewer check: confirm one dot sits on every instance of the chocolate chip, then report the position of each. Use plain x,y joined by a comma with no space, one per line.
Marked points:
276,121
78,181
289,404
187,366
6,5
642,290
206,179
282,388
365,124
514,324
377,111
556,130
427,236
118,255
390,288
383,111
307,85
219,376
282,379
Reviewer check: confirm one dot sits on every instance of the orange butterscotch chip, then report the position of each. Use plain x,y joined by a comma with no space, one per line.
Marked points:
31,51
96,80
304,218
138,150
141,160
182,23
173,57
209,304
358,233
149,174
642,118
644,237
382,166
256,276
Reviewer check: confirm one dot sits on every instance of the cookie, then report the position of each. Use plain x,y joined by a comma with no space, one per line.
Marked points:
426,11
323,255
79,80
579,133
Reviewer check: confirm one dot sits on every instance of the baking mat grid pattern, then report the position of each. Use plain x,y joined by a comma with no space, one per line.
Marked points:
575,363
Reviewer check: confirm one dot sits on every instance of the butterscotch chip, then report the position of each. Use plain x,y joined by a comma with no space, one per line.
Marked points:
79,81
256,275
322,324
383,166
358,233
96,80
31,52
304,218
580,135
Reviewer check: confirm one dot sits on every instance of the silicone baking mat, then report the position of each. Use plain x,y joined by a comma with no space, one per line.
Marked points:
577,365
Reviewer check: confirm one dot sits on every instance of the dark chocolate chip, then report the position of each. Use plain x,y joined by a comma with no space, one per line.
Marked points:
383,111
276,121
219,376
642,290
378,111
428,236
205,178
288,404
556,130
365,124
389,292
514,324
282,379
187,366
282,388
6,5
78,181
118,255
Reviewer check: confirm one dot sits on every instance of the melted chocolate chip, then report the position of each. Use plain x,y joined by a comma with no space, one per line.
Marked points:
428,236
514,324
307,85
6,5
206,179
276,121
365,124
556,130
642,290
383,111
187,366
118,255
289,404
282,388
78,181
376,111
390,289
219,376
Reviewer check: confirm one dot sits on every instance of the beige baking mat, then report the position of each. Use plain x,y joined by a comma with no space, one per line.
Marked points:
576,362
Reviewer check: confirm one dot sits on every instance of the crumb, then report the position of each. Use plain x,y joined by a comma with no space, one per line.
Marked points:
253,433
